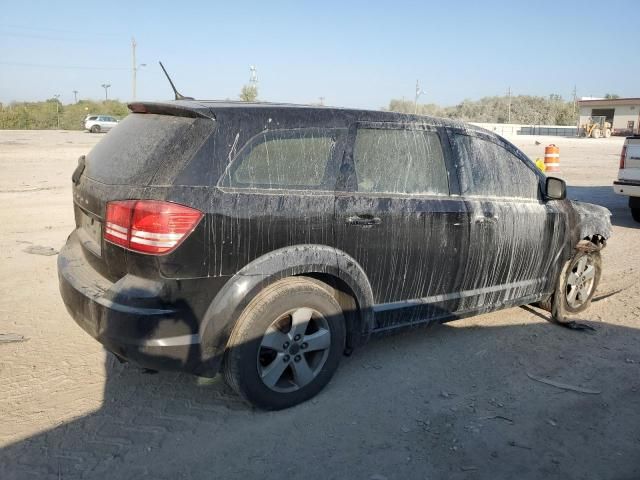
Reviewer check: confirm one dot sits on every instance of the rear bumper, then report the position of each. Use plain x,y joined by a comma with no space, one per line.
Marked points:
130,317
627,187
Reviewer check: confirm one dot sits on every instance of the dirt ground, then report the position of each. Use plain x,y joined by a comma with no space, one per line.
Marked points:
450,402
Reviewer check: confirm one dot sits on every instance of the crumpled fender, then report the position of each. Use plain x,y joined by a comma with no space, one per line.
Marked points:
591,220
231,300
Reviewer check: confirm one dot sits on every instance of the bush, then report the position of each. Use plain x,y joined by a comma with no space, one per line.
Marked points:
42,115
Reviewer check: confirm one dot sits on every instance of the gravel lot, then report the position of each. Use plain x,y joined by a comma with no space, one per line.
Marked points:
452,401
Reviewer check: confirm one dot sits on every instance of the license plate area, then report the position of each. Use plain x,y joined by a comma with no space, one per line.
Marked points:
91,233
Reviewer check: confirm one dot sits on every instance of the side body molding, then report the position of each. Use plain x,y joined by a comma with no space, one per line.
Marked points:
231,300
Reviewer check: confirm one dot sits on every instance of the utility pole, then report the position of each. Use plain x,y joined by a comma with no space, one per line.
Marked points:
57,97
106,87
575,98
75,96
321,101
419,92
133,64
134,68
253,76
509,107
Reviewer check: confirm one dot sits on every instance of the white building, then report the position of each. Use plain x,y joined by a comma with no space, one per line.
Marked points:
622,113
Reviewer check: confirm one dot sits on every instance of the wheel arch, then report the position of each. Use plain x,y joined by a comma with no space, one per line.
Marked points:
592,243
327,264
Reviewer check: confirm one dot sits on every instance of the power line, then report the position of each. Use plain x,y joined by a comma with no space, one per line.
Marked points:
72,67
58,30
42,37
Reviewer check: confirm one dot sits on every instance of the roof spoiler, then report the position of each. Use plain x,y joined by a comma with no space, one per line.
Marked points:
174,109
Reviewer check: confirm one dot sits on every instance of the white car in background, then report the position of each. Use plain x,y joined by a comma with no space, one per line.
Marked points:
628,182
99,123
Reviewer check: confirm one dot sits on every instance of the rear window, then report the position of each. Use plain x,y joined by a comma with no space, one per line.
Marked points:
134,150
297,158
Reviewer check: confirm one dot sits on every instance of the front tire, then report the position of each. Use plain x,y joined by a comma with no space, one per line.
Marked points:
286,344
635,213
575,287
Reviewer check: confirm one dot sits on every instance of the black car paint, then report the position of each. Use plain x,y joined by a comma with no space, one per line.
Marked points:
176,311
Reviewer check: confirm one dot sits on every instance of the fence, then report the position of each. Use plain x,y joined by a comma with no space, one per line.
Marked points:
510,129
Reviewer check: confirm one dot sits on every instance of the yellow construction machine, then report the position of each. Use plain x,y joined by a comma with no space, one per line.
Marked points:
596,127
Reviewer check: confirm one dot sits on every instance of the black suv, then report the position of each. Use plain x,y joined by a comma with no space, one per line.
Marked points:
267,240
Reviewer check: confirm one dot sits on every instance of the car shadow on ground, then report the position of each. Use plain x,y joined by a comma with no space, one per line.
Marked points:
452,401
605,196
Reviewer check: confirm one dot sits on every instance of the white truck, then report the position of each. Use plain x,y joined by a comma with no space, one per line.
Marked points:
628,182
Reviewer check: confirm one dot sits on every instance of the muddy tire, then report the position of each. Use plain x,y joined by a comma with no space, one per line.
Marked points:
286,344
575,287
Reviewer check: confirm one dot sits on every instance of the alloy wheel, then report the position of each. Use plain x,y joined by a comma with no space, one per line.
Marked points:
293,350
580,282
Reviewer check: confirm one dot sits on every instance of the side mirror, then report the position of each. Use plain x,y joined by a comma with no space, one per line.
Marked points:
555,189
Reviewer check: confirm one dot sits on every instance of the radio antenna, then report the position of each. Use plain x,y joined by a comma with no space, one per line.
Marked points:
178,95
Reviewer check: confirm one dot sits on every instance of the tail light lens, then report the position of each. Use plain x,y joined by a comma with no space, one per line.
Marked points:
149,226
623,156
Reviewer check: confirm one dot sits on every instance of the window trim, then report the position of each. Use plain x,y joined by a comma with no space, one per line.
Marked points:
351,185
330,174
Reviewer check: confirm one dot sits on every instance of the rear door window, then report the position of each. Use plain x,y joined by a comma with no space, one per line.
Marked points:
396,160
490,170
288,159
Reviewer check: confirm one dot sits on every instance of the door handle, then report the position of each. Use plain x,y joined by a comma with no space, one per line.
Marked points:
482,220
363,220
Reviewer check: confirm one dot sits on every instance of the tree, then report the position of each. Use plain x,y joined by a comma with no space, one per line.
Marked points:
249,93
525,109
611,96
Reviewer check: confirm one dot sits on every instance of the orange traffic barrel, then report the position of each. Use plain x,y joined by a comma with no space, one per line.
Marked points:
551,158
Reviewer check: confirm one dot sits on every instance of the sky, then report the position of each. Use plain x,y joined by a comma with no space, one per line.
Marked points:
353,53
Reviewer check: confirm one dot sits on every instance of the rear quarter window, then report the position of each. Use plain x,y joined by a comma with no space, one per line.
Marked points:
294,159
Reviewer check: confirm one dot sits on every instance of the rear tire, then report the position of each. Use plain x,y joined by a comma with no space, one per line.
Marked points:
635,213
607,133
95,129
575,287
286,344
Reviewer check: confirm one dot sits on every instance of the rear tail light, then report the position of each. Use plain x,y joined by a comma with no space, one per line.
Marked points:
623,156
149,226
